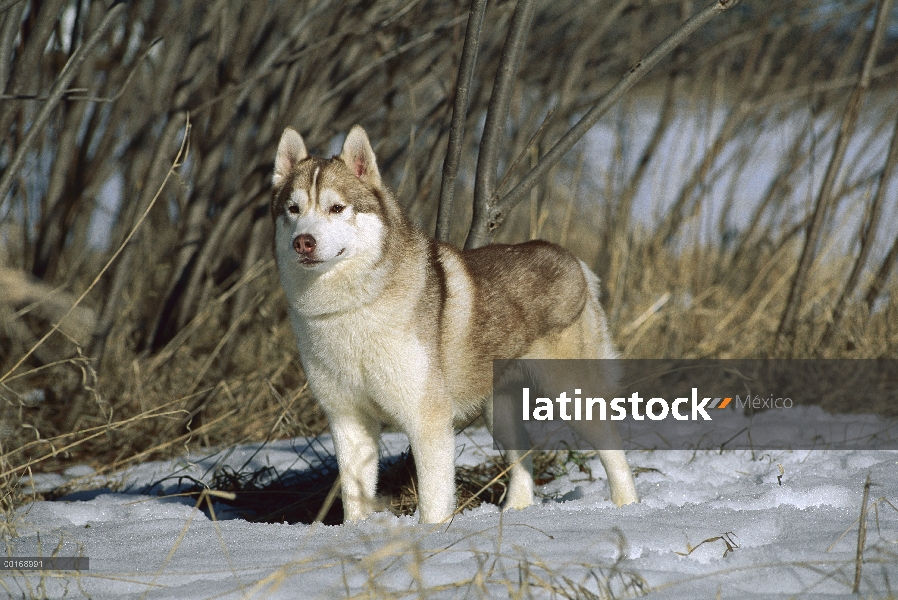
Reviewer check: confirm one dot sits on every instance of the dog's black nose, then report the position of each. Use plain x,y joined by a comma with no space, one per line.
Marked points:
304,244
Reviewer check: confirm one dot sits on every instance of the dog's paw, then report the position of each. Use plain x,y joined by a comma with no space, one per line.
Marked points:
628,495
519,495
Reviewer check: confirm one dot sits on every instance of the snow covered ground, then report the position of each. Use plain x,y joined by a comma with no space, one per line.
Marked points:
771,536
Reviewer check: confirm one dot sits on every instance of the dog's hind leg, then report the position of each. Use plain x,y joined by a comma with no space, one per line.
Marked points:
355,439
520,479
620,478
600,378
508,431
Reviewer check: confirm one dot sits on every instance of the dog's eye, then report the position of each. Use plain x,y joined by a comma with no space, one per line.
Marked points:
336,209
293,209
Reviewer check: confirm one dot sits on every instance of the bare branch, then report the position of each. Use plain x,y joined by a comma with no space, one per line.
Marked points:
28,55
867,235
8,4
11,22
459,115
56,93
425,37
273,57
100,99
886,270
753,77
500,101
498,211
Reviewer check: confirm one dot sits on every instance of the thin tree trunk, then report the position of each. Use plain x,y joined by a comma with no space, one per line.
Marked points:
459,117
496,115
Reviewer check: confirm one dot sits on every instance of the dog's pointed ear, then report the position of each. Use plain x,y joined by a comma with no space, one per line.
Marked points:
291,150
359,157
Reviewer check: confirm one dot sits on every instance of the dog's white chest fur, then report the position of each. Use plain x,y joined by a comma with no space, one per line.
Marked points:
363,355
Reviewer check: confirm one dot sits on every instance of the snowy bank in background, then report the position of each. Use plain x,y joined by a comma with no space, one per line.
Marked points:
772,533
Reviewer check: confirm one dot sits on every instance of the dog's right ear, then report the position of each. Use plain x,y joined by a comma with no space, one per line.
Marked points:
291,150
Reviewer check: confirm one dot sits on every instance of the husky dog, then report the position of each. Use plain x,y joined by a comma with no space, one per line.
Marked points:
394,327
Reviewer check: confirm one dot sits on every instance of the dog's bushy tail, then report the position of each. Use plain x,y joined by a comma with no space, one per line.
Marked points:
602,331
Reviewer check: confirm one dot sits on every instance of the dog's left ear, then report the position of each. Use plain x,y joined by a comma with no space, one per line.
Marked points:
359,157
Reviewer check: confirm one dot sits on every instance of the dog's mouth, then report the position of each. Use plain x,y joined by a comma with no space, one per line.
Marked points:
310,262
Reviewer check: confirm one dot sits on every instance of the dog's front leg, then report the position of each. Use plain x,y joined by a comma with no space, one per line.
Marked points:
433,445
355,439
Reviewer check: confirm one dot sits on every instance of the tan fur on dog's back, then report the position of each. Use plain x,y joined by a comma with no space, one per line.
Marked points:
513,282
